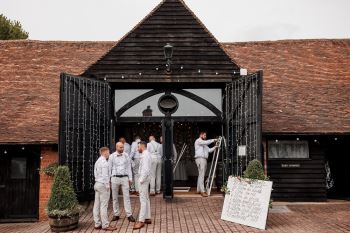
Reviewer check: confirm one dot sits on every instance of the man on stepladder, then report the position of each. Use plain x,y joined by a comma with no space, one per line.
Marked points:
202,151
145,177
121,176
102,191
154,148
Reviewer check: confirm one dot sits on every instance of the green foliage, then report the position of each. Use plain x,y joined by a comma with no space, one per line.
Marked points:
224,188
10,30
50,170
255,171
63,201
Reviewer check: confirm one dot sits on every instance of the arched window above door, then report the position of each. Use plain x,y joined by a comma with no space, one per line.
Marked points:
192,102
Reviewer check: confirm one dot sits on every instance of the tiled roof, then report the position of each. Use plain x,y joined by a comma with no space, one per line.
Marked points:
306,84
29,81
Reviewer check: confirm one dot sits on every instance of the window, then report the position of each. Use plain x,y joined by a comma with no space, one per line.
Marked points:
288,150
149,106
18,168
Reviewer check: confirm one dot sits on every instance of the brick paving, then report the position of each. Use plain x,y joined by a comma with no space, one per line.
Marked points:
193,214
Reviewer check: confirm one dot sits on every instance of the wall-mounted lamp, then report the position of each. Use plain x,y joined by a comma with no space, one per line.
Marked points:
168,54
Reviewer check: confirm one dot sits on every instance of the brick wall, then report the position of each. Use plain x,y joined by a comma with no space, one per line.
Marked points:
48,156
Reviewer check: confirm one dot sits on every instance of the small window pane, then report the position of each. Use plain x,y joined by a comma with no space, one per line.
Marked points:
18,168
288,150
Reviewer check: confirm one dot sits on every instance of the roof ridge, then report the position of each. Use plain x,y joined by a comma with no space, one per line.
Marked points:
289,41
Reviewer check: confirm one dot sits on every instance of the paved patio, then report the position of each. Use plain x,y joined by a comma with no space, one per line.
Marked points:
194,214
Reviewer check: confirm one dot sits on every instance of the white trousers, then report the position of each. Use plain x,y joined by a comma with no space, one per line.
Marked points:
145,205
156,175
202,167
102,194
124,183
136,177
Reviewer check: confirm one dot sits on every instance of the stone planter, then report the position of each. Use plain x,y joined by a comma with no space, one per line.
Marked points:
63,224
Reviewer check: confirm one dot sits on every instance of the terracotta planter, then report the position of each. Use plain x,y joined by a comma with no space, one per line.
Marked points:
63,224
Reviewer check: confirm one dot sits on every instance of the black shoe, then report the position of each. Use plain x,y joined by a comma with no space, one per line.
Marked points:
115,218
131,219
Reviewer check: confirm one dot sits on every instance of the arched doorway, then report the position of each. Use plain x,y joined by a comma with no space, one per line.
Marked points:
137,114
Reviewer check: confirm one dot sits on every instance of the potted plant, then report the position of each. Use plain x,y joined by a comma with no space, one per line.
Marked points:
63,207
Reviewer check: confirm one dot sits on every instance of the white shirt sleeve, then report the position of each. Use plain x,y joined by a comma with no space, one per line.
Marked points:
145,167
128,169
202,142
212,149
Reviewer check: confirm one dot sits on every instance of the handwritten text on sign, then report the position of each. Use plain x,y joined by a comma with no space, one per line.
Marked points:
248,202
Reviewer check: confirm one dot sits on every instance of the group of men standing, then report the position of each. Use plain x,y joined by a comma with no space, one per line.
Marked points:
136,168
115,171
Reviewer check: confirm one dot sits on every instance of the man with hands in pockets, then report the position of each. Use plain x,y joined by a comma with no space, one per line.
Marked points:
121,176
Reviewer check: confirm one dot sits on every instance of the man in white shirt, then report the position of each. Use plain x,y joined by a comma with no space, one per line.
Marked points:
120,168
127,147
201,155
145,177
154,148
135,156
102,191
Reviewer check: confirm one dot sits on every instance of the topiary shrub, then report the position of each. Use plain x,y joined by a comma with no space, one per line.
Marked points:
50,170
255,171
63,201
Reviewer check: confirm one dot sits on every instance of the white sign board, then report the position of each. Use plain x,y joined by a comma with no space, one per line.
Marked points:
247,202
242,150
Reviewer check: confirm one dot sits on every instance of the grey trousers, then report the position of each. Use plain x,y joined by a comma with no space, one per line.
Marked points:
145,207
156,175
135,170
202,167
124,183
102,194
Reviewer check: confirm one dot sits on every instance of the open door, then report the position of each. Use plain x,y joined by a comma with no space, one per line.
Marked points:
243,122
85,126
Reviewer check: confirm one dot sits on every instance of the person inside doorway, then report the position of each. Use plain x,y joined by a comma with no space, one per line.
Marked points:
135,156
202,151
174,157
127,147
145,177
154,148
121,176
102,191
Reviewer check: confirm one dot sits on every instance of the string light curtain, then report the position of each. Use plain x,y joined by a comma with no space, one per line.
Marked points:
243,120
85,123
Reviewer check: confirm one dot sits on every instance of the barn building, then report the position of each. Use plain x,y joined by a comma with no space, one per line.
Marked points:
60,101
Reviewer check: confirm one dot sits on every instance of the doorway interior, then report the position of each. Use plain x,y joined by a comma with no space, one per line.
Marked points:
186,172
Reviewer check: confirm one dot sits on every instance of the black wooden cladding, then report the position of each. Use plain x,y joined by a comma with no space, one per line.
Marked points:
141,51
304,183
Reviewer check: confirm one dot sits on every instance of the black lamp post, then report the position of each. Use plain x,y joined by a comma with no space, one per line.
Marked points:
168,54
168,105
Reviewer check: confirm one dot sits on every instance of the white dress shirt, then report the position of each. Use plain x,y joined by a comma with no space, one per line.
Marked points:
154,148
145,166
127,148
101,171
134,153
202,149
120,165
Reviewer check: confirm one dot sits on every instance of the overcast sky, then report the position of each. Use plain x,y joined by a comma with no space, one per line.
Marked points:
228,20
